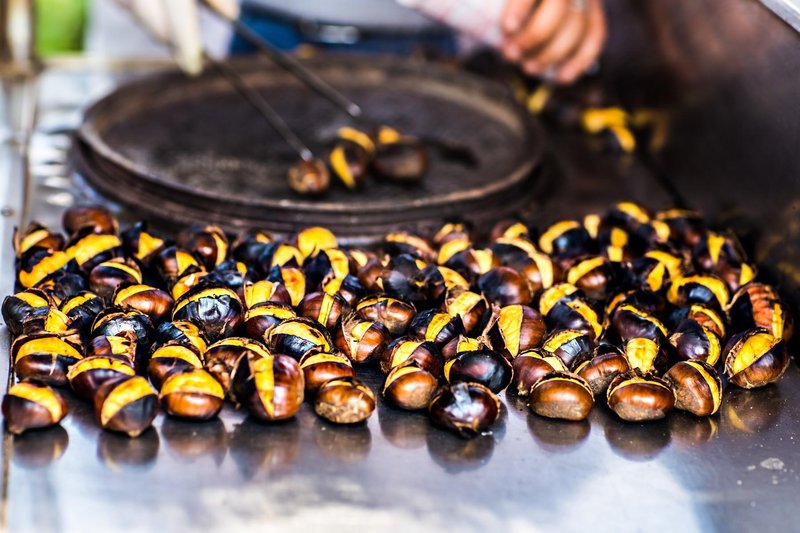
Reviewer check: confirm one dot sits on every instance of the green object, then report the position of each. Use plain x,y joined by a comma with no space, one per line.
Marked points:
60,26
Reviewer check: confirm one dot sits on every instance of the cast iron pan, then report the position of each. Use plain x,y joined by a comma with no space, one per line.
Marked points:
178,150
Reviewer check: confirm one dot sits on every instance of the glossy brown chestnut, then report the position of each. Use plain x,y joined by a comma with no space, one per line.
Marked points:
45,357
486,367
686,226
394,314
106,277
344,400
461,344
517,328
691,340
18,307
571,346
594,276
271,387
532,365
469,306
297,337
409,387
192,394
324,308
36,236
398,157
217,311
628,323
173,263
755,358
561,395
183,332
45,320
697,387
96,217
309,178
81,310
127,404
321,367
87,375
170,358
260,319
153,302
436,327
361,340
646,355
121,347
403,350
566,238
608,362
699,289
32,406
757,305
86,250
207,243
574,313
638,397
221,357
703,315
504,286
466,408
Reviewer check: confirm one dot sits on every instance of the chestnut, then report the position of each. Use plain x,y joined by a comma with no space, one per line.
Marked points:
174,263
30,405
121,347
271,387
647,273
567,238
153,302
396,315
45,320
576,314
62,285
643,300
141,244
297,337
310,241
530,366
127,404
324,308
87,375
509,228
106,277
188,282
703,315
685,226
264,291
461,344
469,306
170,358
399,158
595,276
18,307
466,408
486,367
517,328
81,310
321,367
87,250
279,255
221,357
36,236
701,289
716,251
436,326
646,355
181,331
293,279
114,321
629,322
322,263
309,178
193,394
361,340
409,387
471,263
561,395
638,397
606,364
38,265
348,287
45,357
573,347
403,350
453,230
691,340
95,217
350,157
260,319
504,286
757,305
697,387
217,311
755,358
344,400
208,243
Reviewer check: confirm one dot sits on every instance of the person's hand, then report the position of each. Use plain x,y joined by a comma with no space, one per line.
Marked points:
558,39
178,23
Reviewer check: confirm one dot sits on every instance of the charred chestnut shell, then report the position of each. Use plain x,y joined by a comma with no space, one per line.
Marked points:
361,340
271,387
87,375
470,307
629,322
608,362
221,357
139,243
517,328
466,408
127,404
36,236
697,387
206,242
755,358
638,397
691,340
20,306
153,302
87,250
217,311
571,346
192,394
37,265
410,387
530,366
297,337
344,400
394,314
436,327
45,320
106,277
561,395
486,367
705,316
81,310
423,353
324,308
399,158
114,321
29,406
170,358
45,357
321,367
121,347
757,305
260,319
504,286
173,263
567,238
705,290
181,331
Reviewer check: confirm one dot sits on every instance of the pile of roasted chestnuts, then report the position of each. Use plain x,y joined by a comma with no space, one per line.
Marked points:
648,311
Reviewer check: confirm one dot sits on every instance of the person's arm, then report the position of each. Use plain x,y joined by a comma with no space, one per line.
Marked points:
559,39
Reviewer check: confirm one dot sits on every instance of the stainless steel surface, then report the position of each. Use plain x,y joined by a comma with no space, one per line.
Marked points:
788,10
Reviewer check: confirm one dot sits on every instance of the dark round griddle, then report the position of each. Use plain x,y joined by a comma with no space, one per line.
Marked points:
177,149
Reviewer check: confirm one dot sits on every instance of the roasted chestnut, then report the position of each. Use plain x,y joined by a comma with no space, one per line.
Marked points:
573,347
293,280
32,406
121,347
703,315
567,238
486,367
45,357
183,332
95,217
471,263
467,408
504,286
403,350
297,337
217,311
756,305
461,344
652,303
755,358
192,394
271,387
310,241
344,400
436,327
87,375
595,276
530,366
127,404
37,265
348,287
45,320
351,156
685,226
561,395
18,307
410,387
576,314
691,340
206,242
509,228
188,282
324,308
469,306
394,314
638,397
153,302
697,387
87,250
114,321
321,367
106,277
398,157
81,310
62,285
174,263
220,358
705,290
309,178
717,251
139,243
517,328
361,340
646,355
260,319
36,236
629,322
264,291
170,358
606,364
